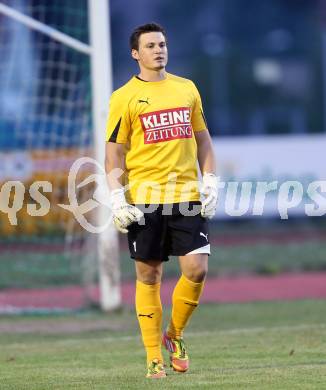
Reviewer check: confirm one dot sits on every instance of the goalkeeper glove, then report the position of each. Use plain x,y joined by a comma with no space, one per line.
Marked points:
124,214
209,191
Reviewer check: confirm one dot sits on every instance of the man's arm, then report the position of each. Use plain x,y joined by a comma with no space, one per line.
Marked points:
114,159
124,214
205,152
207,164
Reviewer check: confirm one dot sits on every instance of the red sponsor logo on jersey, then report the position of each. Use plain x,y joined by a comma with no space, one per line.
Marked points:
166,125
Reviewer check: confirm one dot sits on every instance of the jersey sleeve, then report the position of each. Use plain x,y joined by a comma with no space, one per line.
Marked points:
118,123
198,119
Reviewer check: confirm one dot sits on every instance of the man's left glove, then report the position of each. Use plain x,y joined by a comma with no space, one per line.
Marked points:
209,191
124,214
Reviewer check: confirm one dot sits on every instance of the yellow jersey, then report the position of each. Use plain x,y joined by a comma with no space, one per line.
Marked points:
156,121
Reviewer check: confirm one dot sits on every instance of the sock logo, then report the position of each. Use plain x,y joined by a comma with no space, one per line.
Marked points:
204,235
191,304
134,244
146,315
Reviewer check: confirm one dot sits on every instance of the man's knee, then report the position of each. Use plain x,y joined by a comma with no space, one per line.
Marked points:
149,272
196,268
196,274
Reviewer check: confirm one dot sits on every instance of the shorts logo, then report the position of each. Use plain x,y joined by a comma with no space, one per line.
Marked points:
204,235
166,125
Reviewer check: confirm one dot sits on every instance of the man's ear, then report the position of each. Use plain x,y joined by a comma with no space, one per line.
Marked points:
134,54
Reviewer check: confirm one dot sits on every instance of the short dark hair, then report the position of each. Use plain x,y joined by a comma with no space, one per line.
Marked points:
145,28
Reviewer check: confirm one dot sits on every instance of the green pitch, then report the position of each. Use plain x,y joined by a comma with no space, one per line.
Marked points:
277,345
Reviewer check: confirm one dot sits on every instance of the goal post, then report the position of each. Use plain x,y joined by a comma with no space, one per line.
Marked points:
44,29
55,132
101,69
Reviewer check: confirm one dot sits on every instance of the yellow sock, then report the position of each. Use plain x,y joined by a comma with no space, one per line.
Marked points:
185,299
149,314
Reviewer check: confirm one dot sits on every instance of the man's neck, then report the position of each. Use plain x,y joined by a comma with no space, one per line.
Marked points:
152,75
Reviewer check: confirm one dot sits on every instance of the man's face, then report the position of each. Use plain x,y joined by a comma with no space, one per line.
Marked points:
152,53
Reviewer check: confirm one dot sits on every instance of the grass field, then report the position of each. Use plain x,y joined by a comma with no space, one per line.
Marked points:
250,346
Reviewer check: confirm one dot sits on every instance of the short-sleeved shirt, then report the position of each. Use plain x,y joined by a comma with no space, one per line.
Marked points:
156,121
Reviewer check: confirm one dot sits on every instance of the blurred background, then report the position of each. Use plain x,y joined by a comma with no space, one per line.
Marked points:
260,67
259,64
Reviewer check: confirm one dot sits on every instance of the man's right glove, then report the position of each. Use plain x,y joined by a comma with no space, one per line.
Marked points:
124,214
209,190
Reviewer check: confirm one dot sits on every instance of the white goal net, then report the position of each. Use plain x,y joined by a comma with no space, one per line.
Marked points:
47,262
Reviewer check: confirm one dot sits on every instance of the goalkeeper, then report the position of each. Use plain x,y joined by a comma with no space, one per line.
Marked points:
156,133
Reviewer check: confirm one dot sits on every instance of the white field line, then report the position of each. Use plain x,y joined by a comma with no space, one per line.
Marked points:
208,333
